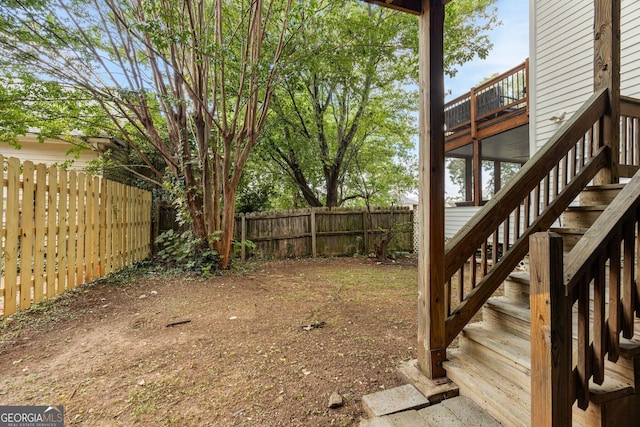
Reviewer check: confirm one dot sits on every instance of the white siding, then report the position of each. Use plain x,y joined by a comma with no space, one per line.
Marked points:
630,61
455,218
563,50
562,60
49,152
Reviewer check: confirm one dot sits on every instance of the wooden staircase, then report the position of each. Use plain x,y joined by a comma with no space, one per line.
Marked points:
492,364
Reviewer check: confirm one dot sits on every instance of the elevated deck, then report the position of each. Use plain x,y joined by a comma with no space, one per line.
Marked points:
489,123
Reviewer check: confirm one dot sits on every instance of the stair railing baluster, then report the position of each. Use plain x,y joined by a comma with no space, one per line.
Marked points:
599,320
461,284
613,322
584,347
628,277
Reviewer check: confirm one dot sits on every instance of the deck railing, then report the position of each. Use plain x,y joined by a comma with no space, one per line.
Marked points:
629,159
502,95
496,239
600,271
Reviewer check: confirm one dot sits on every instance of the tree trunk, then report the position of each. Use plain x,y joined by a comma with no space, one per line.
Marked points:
331,177
228,223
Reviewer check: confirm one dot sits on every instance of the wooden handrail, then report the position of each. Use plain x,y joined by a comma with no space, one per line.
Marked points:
488,285
629,158
480,227
598,238
552,191
599,270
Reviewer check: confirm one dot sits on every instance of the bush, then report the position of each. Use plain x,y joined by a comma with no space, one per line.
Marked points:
186,253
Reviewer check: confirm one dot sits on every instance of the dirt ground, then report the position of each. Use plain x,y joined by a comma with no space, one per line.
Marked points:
242,357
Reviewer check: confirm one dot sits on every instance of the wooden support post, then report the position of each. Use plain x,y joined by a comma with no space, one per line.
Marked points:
477,173
314,237
551,370
468,179
606,68
431,303
526,85
497,176
474,113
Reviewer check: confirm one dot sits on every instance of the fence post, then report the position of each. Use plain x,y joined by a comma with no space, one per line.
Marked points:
551,371
314,250
243,237
365,232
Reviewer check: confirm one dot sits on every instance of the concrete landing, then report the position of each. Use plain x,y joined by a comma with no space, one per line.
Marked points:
459,411
393,400
422,403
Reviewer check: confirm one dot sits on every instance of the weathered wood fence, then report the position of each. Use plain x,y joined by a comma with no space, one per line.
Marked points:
323,231
61,229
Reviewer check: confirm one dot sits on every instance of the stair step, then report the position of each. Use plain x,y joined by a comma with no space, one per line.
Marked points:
630,348
516,287
581,216
570,236
504,314
522,277
505,353
600,194
499,397
611,389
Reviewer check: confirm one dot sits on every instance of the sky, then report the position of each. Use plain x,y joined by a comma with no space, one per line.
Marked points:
511,47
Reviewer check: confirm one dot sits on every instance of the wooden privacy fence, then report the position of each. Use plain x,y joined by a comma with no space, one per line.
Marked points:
323,231
61,229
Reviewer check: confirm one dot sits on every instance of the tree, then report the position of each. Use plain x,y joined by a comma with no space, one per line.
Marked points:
190,79
343,125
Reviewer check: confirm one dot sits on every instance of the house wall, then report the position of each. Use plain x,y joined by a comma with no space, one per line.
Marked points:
456,218
49,152
561,63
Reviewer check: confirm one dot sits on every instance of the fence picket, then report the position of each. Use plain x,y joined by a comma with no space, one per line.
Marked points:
108,227
62,231
72,219
95,230
82,226
102,228
26,235
41,231
52,209
11,239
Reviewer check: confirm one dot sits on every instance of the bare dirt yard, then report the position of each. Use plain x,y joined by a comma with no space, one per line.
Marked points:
246,354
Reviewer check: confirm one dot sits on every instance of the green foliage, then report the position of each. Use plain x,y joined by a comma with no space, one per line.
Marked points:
466,25
187,253
188,81
456,170
343,126
239,244
507,171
